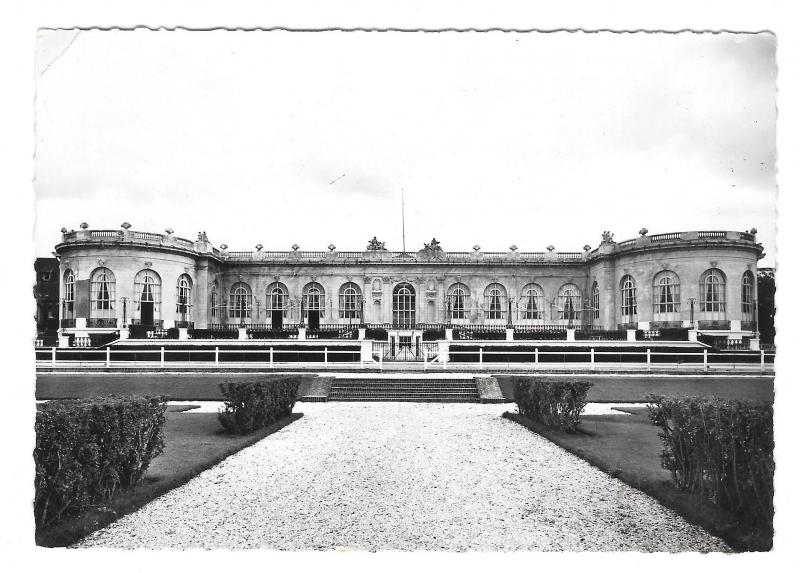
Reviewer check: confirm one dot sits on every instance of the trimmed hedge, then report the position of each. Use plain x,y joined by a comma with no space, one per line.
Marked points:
556,404
213,334
88,449
253,405
721,450
376,333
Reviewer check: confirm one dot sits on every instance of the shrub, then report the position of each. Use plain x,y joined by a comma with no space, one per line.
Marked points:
138,330
87,449
376,333
433,334
253,405
556,404
213,334
721,450
101,339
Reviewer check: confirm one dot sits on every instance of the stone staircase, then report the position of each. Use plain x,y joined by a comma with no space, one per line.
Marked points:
382,389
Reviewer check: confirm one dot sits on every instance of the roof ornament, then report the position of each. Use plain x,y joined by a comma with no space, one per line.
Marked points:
608,237
126,225
63,230
202,237
84,226
224,247
513,248
295,247
434,246
169,231
587,248
331,247
753,231
551,248
476,248
259,247
375,245
643,231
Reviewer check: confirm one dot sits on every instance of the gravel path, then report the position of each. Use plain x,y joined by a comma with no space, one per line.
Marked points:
410,477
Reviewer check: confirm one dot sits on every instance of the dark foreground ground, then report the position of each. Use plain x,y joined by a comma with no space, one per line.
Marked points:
205,386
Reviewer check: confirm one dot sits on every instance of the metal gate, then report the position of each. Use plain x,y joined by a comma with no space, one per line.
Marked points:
404,352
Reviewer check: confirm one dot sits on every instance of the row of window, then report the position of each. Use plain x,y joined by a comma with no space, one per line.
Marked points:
146,294
666,297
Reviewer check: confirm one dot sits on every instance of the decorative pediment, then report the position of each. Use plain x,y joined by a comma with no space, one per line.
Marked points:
148,264
101,262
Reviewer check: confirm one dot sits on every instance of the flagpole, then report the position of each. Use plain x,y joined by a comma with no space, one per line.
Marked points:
403,211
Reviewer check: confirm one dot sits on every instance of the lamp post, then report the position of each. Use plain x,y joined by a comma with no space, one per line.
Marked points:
124,300
692,300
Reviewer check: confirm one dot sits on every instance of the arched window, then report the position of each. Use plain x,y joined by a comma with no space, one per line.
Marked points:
147,297
666,297
241,302
214,302
712,294
458,301
569,303
69,294
404,305
183,297
595,301
532,302
103,294
495,301
277,298
350,301
628,292
748,305
314,299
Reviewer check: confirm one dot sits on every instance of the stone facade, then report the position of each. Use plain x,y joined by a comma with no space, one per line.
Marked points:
495,286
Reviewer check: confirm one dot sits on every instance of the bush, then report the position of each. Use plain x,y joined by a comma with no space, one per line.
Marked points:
556,404
376,334
721,450
433,334
138,330
101,339
253,405
213,334
87,449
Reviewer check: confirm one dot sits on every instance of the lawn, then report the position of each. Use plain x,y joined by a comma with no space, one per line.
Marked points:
628,448
194,443
636,388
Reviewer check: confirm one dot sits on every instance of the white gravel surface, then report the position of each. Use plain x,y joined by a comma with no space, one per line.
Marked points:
375,476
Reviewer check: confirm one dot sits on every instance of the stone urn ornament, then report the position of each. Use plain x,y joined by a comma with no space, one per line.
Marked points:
513,248
587,248
63,230
259,247
551,248
295,247
643,231
331,247
476,248
84,226
126,225
223,247
169,231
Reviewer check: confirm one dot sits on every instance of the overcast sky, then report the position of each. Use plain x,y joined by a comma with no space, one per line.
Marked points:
496,138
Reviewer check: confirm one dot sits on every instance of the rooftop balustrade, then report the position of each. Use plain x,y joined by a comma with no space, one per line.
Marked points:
332,256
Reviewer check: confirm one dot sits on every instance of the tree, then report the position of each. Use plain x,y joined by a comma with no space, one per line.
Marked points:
766,305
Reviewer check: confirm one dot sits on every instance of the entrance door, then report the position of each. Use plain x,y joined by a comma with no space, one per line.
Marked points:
277,319
147,312
313,319
404,304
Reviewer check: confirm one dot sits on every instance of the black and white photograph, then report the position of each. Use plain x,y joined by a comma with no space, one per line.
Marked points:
353,290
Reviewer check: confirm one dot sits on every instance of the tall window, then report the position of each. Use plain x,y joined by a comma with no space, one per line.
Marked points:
457,299
69,294
666,295
350,301
712,293
314,298
747,296
628,291
569,303
277,298
102,298
241,301
183,297
147,296
595,301
494,301
404,303
532,302
214,303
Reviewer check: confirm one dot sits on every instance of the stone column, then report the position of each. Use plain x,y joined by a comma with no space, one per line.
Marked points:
201,295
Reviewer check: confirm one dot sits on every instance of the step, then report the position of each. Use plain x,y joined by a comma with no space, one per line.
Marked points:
404,390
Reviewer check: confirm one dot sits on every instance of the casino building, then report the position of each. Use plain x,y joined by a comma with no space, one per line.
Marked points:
705,280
